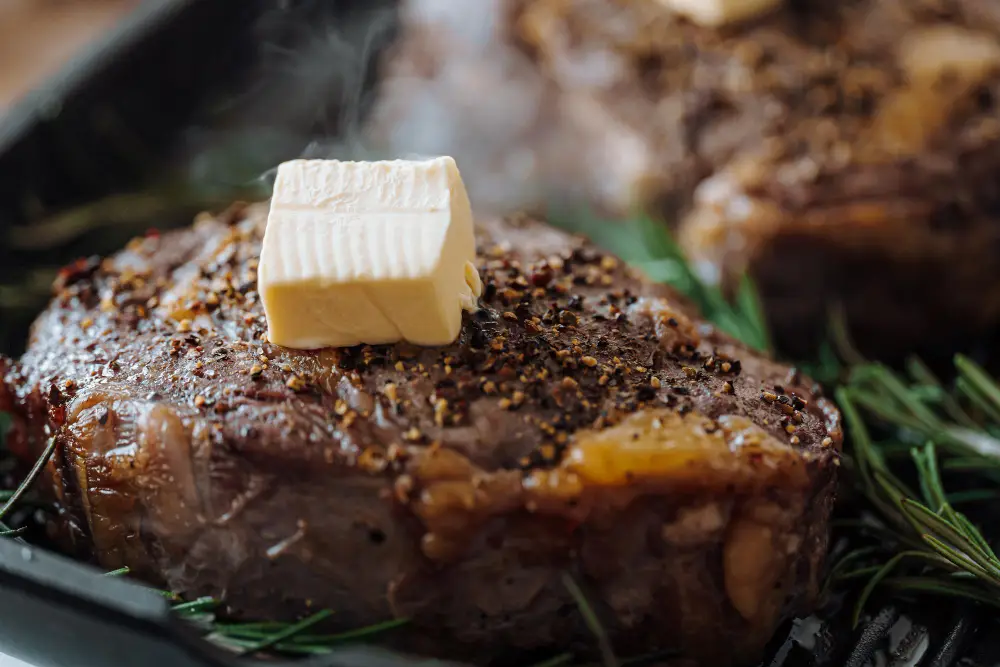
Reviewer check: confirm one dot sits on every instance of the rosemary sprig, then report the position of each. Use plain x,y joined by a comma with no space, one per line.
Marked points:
287,638
282,639
925,545
287,633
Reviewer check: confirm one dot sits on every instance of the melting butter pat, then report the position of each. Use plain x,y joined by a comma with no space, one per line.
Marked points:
367,252
717,13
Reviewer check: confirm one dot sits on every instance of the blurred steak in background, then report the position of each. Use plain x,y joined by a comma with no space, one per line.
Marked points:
842,153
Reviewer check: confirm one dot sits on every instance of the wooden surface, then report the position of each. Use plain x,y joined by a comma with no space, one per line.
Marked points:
38,37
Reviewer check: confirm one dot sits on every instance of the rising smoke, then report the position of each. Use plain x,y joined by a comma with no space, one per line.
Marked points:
380,80
459,84
455,87
388,79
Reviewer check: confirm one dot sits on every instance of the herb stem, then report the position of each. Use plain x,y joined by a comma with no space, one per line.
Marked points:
557,661
288,632
28,481
590,618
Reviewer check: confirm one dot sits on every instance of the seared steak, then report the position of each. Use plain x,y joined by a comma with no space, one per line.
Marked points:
586,424
838,151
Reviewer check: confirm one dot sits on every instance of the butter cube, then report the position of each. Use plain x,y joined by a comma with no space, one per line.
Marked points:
717,13
367,252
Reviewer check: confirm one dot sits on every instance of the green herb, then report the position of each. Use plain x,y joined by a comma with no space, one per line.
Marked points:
590,618
5,495
288,638
557,661
826,368
29,480
288,632
924,545
195,606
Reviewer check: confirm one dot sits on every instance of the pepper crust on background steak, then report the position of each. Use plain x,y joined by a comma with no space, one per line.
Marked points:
586,422
838,152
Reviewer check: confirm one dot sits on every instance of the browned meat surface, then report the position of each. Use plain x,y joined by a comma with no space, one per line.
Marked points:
839,151
586,423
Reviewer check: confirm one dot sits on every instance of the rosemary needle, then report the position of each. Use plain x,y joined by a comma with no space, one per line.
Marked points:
288,632
195,606
590,618
28,481
356,634
244,635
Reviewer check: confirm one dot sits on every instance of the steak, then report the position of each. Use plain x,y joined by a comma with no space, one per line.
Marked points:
840,152
586,427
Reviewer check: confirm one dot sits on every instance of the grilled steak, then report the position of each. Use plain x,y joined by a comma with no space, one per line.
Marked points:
585,425
838,151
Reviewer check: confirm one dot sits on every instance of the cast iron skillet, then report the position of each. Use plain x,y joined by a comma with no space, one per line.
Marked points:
153,72
129,115
57,613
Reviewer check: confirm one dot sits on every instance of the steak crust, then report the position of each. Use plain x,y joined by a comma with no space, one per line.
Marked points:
586,424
